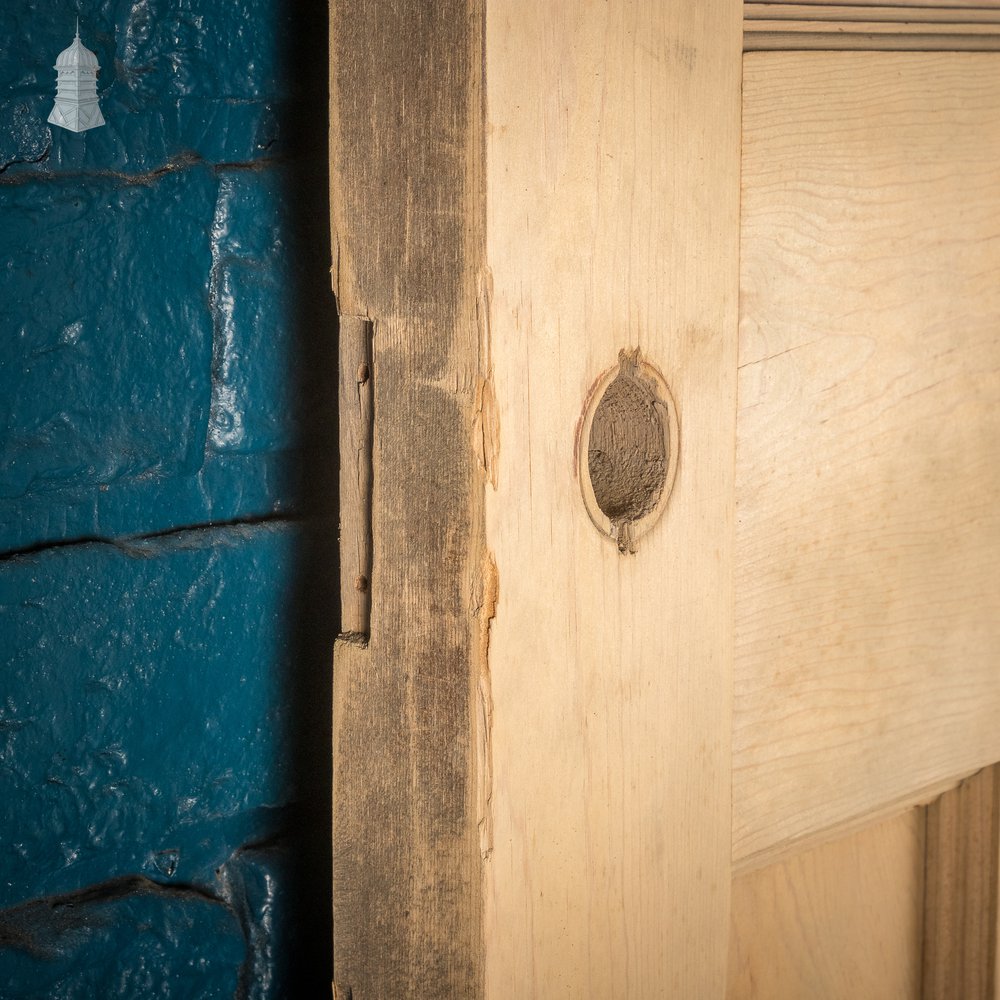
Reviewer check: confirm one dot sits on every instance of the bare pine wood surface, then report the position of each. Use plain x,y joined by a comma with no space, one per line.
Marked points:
838,922
612,184
868,529
406,191
960,917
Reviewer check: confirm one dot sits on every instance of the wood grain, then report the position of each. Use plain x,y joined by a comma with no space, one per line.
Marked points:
407,206
960,917
613,169
868,528
838,922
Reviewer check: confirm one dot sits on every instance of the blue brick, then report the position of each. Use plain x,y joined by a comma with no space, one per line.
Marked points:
152,345
105,371
145,704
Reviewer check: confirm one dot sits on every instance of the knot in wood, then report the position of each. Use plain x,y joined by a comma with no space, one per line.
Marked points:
628,435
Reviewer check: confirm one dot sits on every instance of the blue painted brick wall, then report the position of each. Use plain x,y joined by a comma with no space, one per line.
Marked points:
167,579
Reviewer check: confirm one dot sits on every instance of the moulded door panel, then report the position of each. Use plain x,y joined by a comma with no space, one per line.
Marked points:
867,643
867,485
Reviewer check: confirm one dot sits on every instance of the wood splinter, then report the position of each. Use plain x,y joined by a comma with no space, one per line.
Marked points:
355,398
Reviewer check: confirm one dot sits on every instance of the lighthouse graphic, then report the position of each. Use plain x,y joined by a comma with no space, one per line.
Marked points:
76,106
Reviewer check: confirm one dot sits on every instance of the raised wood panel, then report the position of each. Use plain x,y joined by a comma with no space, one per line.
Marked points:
838,922
868,528
612,187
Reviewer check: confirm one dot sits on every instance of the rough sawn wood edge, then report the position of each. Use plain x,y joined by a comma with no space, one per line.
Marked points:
407,234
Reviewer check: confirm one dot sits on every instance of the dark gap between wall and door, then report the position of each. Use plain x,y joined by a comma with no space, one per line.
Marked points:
315,601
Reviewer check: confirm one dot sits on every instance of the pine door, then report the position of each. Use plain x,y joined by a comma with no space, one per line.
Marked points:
670,401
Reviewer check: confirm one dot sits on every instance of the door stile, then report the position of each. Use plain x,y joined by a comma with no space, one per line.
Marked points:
613,158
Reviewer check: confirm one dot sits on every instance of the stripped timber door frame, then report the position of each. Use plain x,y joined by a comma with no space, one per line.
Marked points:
613,164
405,174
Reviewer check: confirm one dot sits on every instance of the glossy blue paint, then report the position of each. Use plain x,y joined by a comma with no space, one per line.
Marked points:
157,383
144,723
166,568
104,375
255,406
147,727
151,271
